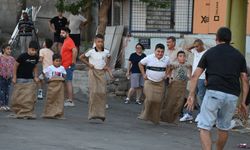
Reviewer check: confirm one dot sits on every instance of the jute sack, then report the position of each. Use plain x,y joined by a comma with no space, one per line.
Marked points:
23,99
54,104
154,92
97,94
174,101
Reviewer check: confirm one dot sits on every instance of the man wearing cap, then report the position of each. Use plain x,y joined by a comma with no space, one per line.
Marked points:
69,54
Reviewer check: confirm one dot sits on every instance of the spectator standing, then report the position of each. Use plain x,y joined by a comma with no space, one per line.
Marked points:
69,54
172,50
26,29
134,73
55,25
75,22
6,73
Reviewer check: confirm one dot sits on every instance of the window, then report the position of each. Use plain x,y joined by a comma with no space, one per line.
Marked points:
177,18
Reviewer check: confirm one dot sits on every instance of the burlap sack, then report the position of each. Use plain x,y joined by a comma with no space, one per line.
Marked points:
174,101
154,92
97,94
23,99
54,104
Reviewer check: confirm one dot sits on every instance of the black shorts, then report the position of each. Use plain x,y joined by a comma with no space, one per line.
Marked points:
76,38
57,38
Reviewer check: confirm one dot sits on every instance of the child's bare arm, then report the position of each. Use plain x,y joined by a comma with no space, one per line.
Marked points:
36,73
168,71
15,71
40,59
107,63
83,58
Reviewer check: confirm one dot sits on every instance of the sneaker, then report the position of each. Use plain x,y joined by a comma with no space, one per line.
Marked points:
40,94
7,108
127,101
186,117
138,102
196,119
2,108
107,106
69,103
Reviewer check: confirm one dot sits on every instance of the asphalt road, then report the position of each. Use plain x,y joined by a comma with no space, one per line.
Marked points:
120,131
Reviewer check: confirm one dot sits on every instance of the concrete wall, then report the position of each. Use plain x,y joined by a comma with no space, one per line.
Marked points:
209,41
8,15
46,12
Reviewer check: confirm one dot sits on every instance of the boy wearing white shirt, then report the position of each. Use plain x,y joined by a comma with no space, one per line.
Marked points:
156,66
98,62
55,70
54,104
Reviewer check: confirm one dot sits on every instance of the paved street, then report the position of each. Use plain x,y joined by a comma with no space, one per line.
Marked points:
121,131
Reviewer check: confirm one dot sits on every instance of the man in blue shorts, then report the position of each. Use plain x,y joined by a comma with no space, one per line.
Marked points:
225,67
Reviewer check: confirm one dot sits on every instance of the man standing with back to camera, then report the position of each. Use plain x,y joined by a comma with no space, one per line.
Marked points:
224,66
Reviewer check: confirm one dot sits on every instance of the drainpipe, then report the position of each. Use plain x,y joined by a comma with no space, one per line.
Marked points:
229,8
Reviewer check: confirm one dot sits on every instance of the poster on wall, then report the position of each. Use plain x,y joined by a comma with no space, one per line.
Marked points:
145,42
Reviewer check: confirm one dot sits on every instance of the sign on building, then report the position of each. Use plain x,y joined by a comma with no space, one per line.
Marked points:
209,15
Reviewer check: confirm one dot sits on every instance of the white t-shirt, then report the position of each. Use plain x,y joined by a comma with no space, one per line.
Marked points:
98,59
197,58
172,54
47,57
53,71
75,22
152,61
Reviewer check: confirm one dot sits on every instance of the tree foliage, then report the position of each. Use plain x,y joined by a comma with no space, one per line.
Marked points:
157,3
71,6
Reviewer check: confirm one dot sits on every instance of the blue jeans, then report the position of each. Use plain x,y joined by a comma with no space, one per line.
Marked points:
69,71
4,91
200,93
218,107
200,90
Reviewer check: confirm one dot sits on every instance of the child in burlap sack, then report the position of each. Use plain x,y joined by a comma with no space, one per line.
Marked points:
175,99
24,92
54,104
